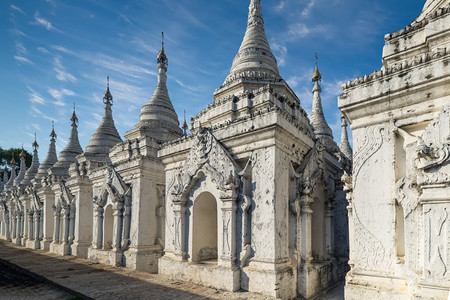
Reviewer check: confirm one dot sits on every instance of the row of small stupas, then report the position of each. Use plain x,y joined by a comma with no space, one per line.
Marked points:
255,188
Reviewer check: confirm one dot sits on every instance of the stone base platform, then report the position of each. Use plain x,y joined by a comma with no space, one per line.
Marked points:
107,257
360,286
33,244
315,277
80,249
207,274
60,248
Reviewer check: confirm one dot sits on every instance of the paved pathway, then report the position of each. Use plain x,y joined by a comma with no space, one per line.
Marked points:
35,274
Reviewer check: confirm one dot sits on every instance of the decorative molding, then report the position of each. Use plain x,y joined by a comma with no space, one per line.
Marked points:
407,195
369,141
115,187
209,157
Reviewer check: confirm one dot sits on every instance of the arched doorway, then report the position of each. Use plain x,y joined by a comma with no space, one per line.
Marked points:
204,241
108,228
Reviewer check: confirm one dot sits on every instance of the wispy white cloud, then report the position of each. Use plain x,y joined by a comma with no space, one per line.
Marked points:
125,18
16,8
280,52
59,94
64,50
36,126
36,98
20,48
43,50
184,13
43,22
307,10
123,66
280,6
298,30
143,46
17,32
61,73
23,59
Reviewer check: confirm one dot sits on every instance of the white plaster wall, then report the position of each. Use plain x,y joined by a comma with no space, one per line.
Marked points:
263,230
170,218
373,209
281,205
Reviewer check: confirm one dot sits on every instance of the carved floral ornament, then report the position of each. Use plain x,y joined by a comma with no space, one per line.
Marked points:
36,204
114,187
18,205
207,157
311,171
432,148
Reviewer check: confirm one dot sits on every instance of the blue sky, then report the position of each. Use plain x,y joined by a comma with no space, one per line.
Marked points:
55,53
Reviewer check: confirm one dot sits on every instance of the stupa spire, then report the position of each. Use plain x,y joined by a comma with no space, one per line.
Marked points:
5,175
158,118
68,155
10,182
23,168
184,126
33,169
255,53
345,144
51,156
106,135
317,119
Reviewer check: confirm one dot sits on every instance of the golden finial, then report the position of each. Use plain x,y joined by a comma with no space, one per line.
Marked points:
22,153
107,97
35,144
161,58
317,76
53,134
13,161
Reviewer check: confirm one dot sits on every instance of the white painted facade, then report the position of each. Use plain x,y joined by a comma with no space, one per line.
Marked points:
252,199
398,191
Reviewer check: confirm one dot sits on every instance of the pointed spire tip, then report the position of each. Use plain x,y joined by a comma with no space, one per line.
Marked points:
107,97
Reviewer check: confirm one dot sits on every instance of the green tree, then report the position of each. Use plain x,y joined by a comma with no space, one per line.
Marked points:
7,155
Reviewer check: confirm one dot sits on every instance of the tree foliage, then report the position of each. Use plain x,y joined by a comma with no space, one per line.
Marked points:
7,155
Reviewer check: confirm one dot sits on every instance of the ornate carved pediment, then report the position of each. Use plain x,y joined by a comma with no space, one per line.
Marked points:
66,197
4,206
209,157
310,170
36,203
16,201
433,147
115,187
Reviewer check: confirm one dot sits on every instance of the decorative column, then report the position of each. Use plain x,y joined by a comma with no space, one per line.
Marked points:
14,225
41,215
348,188
72,223
37,225
25,226
126,224
56,228
98,227
179,209
20,228
306,210
30,225
65,222
329,230
229,207
117,226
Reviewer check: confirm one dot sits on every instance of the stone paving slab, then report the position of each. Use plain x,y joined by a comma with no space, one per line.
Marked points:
96,281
